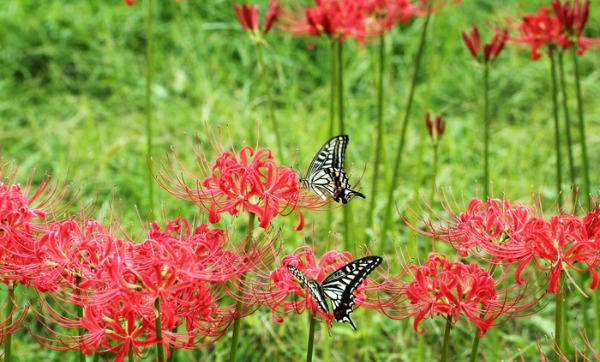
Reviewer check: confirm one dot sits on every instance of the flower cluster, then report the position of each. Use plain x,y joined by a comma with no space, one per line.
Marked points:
121,285
247,181
513,234
561,26
341,19
439,286
452,288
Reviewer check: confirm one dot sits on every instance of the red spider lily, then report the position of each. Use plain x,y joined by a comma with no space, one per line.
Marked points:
491,50
247,181
572,19
439,286
119,282
452,288
248,16
538,30
340,19
502,233
276,293
435,128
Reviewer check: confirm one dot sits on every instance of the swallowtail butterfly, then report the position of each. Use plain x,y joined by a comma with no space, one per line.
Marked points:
326,173
339,286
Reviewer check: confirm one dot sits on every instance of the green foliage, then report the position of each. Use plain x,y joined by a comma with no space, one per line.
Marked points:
72,105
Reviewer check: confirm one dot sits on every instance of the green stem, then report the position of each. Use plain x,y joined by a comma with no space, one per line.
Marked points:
582,134
149,78
131,355
563,86
474,348
333,80
340,85
444,357
160,352
311,338
79,311
559,321
486,131
398,160
332,95
340,102
271,105
10,310
552,54
421,348
237,322
434,172
379,141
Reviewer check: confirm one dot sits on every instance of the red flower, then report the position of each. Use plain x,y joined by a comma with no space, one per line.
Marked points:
572,19
435,128
248,16
538,30
491,50
248,181
502,233
440,286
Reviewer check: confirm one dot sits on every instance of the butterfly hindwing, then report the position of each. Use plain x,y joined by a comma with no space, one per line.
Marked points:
326,175
340,286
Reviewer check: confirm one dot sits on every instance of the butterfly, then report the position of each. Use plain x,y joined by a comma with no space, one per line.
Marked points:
326,173
339,286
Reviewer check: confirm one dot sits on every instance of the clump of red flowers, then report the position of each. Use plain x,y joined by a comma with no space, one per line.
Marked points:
246,181
342,19
501,232
177,272
560,25
452,289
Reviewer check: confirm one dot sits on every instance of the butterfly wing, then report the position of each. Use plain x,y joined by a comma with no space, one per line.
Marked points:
342,190
313,287
326,174
340,286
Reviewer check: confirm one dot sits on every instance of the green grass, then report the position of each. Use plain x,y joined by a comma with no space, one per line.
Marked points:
72,105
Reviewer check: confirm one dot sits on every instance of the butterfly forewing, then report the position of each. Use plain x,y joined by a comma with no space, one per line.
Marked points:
340,286
313,287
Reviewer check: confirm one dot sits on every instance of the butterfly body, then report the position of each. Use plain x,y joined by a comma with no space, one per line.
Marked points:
326,175
339,286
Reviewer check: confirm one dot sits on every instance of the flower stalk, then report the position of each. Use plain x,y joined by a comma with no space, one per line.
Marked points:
160,352
582,134
486,130
236,323
10,309
567,120
149,79
311,338
379,140
444,357
552,55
